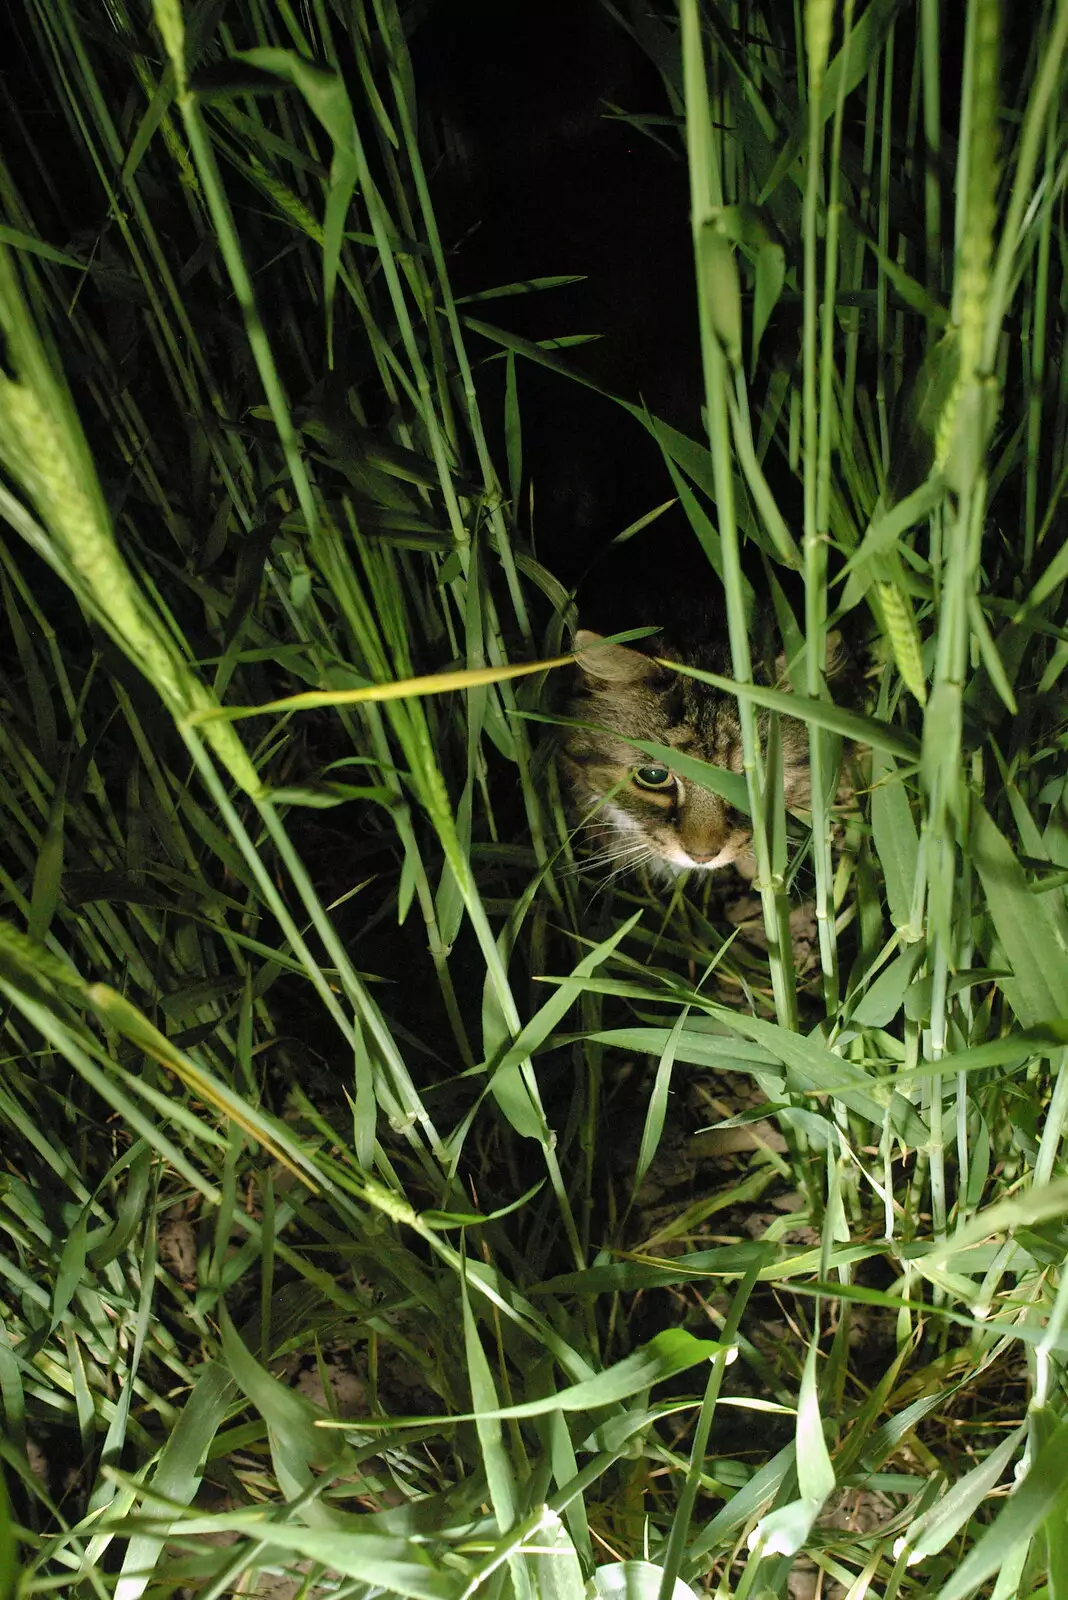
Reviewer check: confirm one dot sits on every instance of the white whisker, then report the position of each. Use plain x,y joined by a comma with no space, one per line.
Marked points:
640,857
626,853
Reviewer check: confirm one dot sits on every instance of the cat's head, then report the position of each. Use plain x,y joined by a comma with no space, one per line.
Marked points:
642,811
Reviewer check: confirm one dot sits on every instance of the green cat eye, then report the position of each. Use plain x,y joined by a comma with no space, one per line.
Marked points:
653,777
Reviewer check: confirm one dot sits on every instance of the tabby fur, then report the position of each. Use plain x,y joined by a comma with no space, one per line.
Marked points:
620,693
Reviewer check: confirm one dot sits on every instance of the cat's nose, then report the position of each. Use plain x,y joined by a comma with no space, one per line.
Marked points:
699,857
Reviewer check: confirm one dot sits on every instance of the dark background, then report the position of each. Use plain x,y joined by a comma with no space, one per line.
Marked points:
532,175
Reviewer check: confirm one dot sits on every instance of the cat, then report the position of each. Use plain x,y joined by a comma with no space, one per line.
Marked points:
641,813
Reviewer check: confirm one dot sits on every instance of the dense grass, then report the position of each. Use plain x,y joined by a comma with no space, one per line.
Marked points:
341,1120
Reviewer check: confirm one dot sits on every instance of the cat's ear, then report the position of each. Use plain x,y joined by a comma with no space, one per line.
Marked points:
610,663
837,655
837,661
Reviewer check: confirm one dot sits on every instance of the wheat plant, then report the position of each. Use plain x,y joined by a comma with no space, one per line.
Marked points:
339,1248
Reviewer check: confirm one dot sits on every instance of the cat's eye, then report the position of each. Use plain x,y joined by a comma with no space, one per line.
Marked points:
653,777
